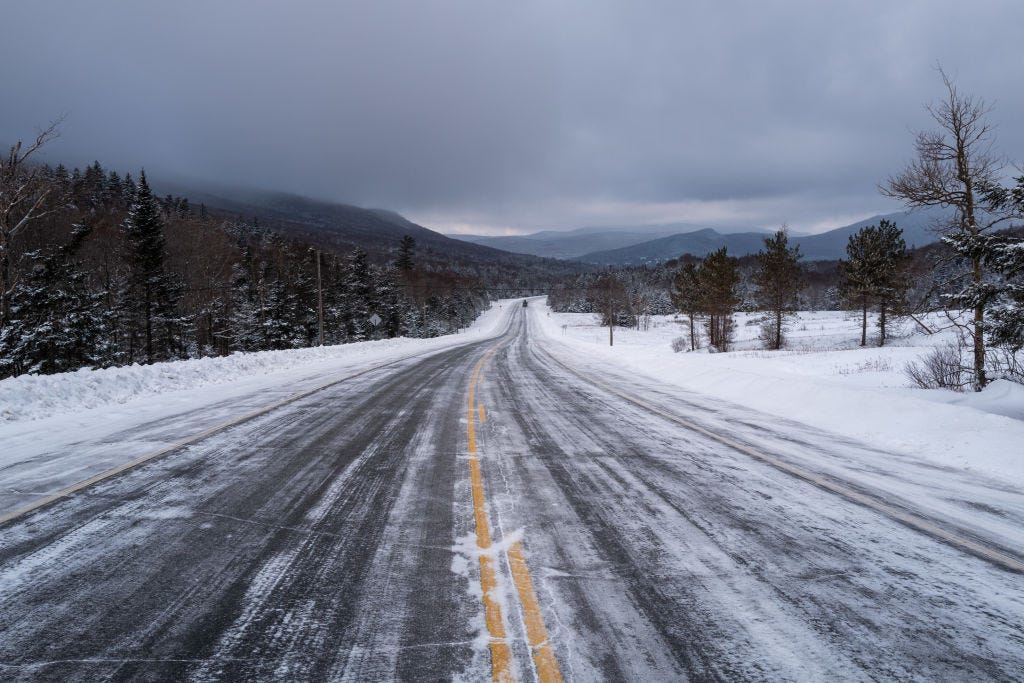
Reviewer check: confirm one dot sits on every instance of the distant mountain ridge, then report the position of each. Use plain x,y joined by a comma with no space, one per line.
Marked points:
573,244
343,226
917,226
379,230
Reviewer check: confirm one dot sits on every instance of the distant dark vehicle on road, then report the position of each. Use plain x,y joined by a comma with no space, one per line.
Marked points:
525,303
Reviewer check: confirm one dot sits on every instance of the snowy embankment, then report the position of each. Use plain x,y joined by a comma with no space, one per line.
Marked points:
35,397
824,379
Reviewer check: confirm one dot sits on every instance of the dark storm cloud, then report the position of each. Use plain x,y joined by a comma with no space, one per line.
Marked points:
531,114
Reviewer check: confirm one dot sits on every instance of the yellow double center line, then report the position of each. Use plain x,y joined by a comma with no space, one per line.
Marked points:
536,633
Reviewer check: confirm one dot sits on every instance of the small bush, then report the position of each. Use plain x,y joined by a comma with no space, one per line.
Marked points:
1005,363
872,365
680,344
942,368
771,338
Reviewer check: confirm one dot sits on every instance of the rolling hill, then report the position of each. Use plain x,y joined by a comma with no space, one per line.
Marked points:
341,227
573,244
916,226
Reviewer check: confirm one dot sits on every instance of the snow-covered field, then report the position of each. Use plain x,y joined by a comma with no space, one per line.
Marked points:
825,379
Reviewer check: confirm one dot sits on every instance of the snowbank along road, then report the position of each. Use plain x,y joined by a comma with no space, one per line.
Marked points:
501,510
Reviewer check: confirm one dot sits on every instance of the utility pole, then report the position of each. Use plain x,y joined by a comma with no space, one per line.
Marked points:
319,298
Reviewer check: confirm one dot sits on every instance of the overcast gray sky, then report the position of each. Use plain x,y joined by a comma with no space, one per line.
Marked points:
492,116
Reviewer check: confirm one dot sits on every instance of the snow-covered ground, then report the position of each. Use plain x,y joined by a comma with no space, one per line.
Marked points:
35,397
825,379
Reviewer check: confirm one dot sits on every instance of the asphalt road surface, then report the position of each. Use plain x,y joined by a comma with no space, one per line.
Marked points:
497,511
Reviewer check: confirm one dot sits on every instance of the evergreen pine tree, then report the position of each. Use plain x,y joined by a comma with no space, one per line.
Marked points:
406,250
859,273
1006,257
151,295
1004,254
358,296
245,331
389,306
719,277
301,285
114,188
686,297
890,279
58,322
280,314
874,272
60,174
778,279
129,189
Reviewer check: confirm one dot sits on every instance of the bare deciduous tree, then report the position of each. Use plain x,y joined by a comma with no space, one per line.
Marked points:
608,296
955,168
23,199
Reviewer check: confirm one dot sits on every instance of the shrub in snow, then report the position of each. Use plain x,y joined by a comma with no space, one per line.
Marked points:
942,368
680,344
1006,363
769,332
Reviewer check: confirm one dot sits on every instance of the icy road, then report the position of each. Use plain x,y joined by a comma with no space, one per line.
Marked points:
502,509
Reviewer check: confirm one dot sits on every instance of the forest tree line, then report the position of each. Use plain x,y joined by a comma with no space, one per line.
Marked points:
880,276
96,271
